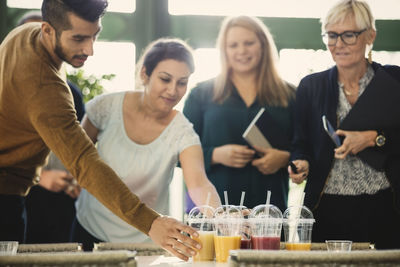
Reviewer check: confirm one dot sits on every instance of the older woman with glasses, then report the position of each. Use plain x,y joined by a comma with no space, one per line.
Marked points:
353,187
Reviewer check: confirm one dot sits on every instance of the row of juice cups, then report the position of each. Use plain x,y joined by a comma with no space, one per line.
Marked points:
231,227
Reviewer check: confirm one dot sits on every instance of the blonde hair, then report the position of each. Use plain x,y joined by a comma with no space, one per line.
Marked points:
345,8
271,88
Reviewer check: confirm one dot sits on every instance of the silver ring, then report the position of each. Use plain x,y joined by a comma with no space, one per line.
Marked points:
70,188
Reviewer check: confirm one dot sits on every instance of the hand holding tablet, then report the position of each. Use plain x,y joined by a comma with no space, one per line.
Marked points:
331,131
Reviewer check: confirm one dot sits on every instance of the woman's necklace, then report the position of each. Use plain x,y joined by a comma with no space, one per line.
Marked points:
348,93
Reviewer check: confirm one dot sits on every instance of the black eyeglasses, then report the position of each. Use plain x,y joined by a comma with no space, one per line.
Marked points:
348,37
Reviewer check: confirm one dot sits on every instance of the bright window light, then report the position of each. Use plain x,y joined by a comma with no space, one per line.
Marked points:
206,63
297,63
386,57
29,4
308,61
207,66
382,9
112,58
122,6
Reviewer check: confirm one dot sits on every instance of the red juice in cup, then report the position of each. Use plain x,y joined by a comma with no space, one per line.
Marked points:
265,242
245,244
266,227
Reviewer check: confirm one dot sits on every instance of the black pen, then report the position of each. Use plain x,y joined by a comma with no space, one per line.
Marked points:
294,168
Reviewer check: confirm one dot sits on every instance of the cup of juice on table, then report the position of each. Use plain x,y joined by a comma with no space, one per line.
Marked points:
245,242
298,222
266,227
201,219
228,227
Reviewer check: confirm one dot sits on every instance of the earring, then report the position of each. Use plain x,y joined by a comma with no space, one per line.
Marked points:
370,56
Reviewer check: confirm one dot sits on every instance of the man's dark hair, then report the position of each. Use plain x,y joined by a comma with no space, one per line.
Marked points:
55,11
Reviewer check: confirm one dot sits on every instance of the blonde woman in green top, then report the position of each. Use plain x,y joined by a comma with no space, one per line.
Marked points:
222,108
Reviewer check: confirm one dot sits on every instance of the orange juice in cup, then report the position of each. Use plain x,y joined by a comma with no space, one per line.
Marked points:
200,219
207,251
223,244
298,246
297,225
228,229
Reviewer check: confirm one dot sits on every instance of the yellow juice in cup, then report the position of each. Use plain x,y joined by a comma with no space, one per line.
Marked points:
206,253
223,244
298,246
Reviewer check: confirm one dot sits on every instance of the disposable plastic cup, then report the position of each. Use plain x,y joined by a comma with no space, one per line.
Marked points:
228,225
8,247
245,242
207,252
297,225
224,244
338,245
200,218
266,227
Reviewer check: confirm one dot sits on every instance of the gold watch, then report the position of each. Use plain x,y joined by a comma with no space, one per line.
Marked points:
380,140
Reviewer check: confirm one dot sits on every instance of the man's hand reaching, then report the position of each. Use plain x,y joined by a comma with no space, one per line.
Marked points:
169,234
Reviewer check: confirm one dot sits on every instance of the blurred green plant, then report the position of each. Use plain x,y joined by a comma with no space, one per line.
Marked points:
91,85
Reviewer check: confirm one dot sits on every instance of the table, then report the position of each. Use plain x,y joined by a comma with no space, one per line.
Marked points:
168,261
321,258
150,255
239,258
67,259
54,247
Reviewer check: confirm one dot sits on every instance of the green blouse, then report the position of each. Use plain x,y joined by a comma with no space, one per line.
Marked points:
221,124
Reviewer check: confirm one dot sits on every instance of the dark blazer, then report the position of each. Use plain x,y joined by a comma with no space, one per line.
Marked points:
378,108
78,100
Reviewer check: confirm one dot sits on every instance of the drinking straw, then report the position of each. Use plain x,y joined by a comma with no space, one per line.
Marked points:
226,201
242,199
226,198
267,203
268,197
204,218
298,215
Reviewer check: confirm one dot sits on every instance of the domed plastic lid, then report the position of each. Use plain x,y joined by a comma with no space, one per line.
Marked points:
245,211
201,212
298,213
266,211
228,211
242,208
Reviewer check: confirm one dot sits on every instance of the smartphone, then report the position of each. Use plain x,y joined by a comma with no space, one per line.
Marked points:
293,166
331,131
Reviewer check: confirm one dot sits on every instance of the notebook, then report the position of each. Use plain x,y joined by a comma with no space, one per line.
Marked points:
264,131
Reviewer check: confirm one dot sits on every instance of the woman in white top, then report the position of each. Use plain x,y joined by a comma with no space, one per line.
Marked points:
142,137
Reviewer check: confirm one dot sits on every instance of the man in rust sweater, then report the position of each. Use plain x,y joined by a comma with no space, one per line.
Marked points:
37,114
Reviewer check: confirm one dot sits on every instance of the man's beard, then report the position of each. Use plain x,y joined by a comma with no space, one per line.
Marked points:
58,50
